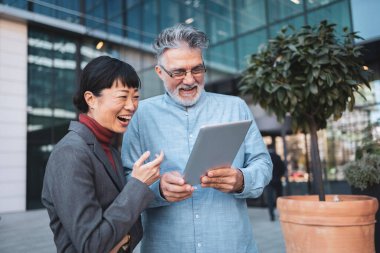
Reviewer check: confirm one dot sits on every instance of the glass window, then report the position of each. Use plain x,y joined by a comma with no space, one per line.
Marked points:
22,4
338,13
115,16
248,45
280,9
250,14
150,18
95,14
316,3
193,14
51,84
297,22
223,56
61,9
169,13
134,20
219,20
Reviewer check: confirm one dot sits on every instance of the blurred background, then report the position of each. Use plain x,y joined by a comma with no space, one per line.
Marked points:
44,44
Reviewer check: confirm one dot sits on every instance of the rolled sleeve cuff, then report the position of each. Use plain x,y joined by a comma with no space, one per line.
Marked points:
249,190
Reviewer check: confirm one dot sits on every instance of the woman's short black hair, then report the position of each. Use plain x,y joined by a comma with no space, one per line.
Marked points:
99,74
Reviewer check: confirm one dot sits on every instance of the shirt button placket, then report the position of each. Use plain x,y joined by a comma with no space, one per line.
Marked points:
197,222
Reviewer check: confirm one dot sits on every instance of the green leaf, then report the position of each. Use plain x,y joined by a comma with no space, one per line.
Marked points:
313,88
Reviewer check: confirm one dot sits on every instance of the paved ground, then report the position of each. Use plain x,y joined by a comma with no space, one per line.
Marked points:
30,232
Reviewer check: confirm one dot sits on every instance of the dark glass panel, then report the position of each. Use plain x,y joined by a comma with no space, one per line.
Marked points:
219,20
297,23
95,14
336,13
51,84
248,45
316,3
250,14
22,4
115,17
169,13
134,20
193,14
280,9
150,19
61,9
223,56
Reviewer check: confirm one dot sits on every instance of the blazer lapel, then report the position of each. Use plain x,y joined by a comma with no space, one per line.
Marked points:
119,167
114,175
90,139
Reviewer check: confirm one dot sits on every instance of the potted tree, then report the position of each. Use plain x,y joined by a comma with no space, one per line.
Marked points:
312,75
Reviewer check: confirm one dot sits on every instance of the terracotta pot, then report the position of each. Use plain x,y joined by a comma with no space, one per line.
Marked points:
373,191
310,225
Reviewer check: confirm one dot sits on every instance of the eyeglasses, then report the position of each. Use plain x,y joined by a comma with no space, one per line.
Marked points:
181,73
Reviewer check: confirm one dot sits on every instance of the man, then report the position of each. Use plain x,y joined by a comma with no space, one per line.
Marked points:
274,188
211,217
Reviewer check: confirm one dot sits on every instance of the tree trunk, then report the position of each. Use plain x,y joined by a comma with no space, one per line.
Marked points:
315,159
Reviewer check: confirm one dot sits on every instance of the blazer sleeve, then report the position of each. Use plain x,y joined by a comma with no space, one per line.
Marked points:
70,181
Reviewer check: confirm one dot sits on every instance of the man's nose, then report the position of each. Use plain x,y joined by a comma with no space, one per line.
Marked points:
189,79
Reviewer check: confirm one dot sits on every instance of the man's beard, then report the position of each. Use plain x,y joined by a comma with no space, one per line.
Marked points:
174,94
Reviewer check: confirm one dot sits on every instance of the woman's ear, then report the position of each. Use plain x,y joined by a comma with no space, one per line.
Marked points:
90,99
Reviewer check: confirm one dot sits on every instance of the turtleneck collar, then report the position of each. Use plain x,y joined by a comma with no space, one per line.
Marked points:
103,135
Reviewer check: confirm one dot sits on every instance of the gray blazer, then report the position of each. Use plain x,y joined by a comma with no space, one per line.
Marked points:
91,207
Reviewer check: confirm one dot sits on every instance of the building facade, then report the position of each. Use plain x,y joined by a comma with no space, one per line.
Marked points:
44,44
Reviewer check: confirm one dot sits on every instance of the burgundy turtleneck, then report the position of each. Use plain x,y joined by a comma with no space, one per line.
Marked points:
102,134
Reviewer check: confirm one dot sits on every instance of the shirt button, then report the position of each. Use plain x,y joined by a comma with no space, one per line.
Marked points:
199,244
197,216
191,136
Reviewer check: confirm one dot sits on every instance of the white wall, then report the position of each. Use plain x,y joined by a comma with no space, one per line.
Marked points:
13,105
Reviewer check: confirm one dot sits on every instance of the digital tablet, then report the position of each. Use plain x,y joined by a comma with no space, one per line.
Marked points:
216,146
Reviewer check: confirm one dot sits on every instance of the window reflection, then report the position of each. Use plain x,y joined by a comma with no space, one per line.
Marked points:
51,84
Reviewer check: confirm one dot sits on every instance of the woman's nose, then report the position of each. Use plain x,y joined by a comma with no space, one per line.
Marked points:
129,105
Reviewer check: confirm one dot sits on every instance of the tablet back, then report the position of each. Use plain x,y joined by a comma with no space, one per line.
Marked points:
216,146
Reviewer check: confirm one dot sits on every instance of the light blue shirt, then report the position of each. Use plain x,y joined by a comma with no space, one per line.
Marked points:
209,221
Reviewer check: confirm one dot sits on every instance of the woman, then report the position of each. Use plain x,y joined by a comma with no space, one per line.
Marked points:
91,207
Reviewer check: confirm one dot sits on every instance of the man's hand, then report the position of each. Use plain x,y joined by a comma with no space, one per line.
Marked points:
224,179
173,187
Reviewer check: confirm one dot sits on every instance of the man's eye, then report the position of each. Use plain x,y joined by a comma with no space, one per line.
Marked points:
198,70
178,72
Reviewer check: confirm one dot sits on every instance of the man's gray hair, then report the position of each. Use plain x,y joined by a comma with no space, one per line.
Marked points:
173,36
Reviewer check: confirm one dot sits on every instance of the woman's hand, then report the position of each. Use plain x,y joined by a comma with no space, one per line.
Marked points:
150,172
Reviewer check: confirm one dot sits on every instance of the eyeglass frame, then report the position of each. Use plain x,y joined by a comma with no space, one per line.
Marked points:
185,72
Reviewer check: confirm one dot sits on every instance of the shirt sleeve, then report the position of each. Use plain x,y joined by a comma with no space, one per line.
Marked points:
257,168
131,150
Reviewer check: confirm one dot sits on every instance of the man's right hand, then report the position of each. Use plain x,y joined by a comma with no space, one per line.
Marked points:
173,187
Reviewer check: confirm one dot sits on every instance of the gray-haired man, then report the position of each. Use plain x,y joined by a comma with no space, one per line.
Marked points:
211,217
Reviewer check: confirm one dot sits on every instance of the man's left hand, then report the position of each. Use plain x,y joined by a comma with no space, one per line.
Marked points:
224,179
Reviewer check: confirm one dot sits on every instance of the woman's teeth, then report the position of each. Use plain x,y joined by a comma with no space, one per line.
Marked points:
124,118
